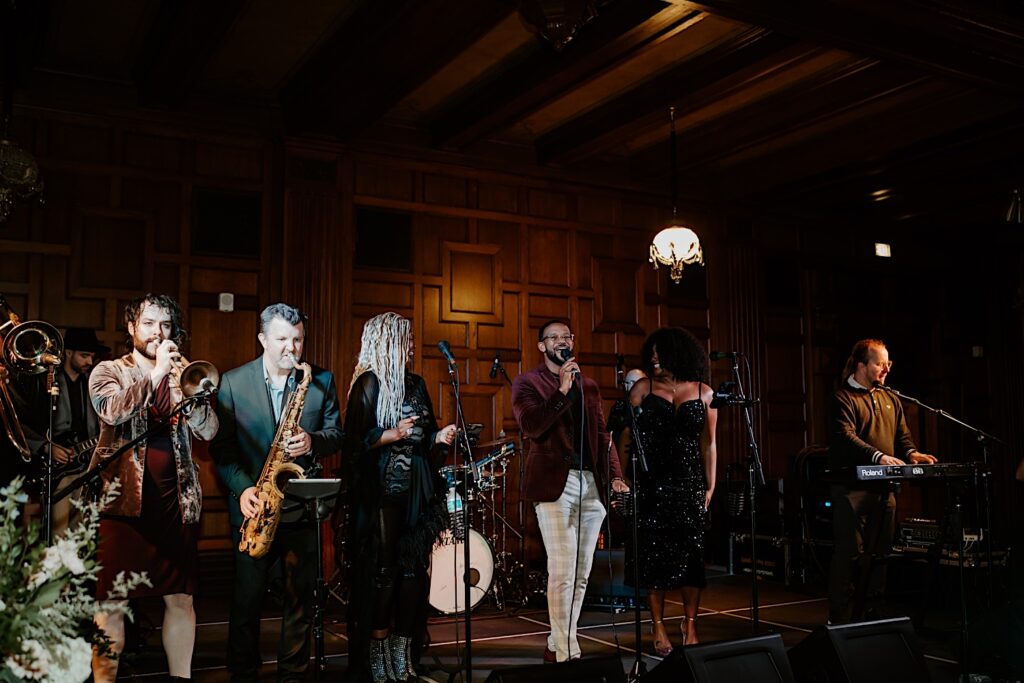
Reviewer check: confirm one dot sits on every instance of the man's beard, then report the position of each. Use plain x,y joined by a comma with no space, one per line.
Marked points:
141,345
555,357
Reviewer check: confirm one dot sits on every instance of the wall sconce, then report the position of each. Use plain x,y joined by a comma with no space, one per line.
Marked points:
675,245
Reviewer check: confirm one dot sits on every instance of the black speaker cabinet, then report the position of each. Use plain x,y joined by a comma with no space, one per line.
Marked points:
761,658
884,651
587,670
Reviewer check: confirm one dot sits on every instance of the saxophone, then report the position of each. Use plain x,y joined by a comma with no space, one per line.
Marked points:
258,532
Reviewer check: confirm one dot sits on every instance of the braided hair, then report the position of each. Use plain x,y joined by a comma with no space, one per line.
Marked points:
383,351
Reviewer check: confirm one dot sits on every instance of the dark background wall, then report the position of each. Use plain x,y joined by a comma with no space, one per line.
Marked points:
481,256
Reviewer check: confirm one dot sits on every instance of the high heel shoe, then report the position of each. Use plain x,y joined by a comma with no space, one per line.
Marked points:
662,648
682,629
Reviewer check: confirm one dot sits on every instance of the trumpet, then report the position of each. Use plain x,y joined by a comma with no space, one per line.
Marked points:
29,348
199,376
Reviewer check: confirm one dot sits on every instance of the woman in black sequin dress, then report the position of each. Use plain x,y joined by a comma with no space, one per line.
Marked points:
676,427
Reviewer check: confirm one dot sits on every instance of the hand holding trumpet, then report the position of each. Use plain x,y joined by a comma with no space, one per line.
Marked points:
168,361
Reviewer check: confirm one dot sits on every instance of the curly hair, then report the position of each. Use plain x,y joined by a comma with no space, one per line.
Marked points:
383,351
679,352
860,353
134,308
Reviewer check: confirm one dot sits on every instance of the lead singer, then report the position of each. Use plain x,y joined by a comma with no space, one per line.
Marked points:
559,411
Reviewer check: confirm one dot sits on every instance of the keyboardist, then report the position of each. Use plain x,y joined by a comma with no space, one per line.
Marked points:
868,427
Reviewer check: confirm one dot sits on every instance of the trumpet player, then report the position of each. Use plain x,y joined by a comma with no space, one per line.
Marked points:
153,523
250,404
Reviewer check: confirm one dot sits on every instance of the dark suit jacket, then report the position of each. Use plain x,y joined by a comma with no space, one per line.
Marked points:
247,427
545,418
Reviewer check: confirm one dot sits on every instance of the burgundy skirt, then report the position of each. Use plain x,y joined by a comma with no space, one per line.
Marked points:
157,542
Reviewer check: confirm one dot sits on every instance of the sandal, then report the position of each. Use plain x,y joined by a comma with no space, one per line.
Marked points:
682,629
662,648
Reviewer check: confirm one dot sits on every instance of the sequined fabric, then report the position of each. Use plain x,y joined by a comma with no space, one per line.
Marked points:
671,521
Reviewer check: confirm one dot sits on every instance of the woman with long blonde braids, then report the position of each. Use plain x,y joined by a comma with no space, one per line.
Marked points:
396,505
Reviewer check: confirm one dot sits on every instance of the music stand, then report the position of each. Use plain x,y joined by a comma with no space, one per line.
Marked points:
313,500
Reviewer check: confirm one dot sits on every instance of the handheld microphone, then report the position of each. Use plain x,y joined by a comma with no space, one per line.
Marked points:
446,350
566,354
496,365
719,355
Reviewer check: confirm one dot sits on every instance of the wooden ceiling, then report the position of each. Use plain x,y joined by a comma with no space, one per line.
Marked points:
822,110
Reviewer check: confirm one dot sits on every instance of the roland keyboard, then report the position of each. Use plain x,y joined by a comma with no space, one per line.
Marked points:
948,470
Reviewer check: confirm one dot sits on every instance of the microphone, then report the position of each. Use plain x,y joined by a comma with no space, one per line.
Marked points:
496,365
566,354
719,355
446,350
207,385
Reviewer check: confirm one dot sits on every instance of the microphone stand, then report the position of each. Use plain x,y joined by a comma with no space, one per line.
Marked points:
521,504
637,463
755,475
53,391
460,428
983,438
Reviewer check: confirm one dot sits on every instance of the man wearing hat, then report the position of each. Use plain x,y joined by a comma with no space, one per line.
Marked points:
74,419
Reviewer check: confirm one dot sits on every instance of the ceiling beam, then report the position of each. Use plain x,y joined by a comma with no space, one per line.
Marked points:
380,54
181,41
937,41
541,75
722,68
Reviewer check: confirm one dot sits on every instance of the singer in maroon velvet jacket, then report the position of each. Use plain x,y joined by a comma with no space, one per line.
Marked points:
545,417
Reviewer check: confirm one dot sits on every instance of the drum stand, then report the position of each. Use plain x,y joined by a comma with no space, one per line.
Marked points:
505,572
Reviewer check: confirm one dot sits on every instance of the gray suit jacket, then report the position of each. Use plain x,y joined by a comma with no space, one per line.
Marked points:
247,427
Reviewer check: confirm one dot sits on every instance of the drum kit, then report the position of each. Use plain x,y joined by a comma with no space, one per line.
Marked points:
482,486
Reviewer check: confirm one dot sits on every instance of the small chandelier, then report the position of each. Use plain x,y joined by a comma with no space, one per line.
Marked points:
19,177
675,245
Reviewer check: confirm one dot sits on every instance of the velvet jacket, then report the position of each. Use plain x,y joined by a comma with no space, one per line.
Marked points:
545,418
122,393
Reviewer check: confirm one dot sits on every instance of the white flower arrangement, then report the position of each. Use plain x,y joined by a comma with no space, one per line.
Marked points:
46,606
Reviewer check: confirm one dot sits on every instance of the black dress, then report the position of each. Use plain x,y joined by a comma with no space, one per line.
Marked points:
403,474
671,522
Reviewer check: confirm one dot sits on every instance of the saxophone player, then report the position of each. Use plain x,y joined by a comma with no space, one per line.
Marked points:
250,404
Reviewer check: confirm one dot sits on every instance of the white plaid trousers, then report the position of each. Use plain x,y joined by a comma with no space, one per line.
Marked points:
569,527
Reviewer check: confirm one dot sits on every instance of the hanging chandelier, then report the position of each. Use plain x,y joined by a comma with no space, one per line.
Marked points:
19,174
675,245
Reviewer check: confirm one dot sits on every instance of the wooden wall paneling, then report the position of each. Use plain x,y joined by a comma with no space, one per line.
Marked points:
619,283
93,272
493,196
472,283
506,236
504,335
549,256
430,233
445,190
375,180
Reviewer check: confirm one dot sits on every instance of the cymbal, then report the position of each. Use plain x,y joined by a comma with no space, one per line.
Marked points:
493,444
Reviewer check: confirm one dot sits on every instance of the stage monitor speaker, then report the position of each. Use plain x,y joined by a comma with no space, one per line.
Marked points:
588,670
884,651
761,658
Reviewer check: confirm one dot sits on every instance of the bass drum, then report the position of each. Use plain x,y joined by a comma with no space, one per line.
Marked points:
447,561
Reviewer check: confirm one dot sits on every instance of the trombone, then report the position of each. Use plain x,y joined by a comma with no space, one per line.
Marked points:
28,348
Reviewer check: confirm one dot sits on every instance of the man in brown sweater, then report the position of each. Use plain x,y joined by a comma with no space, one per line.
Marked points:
868,428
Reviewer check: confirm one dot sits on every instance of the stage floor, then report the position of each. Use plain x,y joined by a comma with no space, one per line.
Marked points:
503,639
